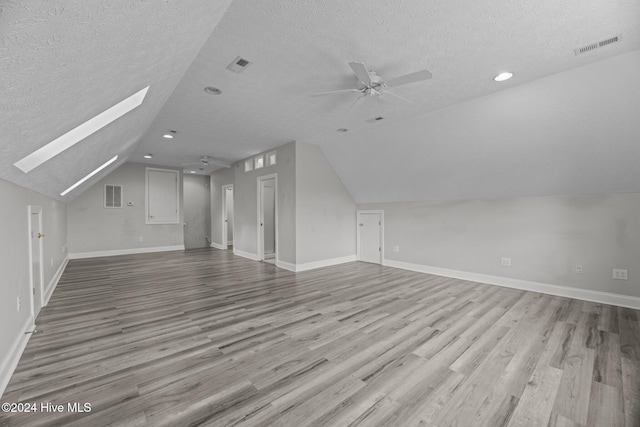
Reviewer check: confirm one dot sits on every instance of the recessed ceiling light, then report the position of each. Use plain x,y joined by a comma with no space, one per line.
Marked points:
168,136
193,171
148,156
79,133
342,130
89,176
503,76
212,90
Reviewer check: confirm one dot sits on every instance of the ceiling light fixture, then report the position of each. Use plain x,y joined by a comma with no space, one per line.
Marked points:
148,156
503,76
193,171
168,136
79,133
212,90
89,176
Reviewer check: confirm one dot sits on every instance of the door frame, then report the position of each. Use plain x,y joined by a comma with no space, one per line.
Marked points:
225,236
260,230
360,212
32,210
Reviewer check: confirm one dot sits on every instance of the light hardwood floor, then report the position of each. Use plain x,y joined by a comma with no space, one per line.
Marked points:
206,338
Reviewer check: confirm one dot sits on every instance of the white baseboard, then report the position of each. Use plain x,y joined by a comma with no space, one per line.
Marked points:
286,265
244,254
218,246
325,263
54,281
81,255
315,264
545,288
10,361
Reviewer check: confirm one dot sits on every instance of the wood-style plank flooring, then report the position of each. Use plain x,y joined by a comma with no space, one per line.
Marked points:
204,337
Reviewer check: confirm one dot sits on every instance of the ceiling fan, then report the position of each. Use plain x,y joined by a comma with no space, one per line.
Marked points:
206,164
374,85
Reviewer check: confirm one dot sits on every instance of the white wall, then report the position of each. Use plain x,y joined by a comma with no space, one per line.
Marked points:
14,265
92,228
197,210
246,204
545,237
218,179
325,212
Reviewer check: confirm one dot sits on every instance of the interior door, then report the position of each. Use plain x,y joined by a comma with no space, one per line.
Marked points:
36,235
269,218
369,227
197,211
162,196
228,216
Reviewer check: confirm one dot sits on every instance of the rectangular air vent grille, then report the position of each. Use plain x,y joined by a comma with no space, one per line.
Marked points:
596,45
112,196
238,65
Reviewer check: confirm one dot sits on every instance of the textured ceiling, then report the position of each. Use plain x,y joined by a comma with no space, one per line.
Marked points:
63,62
565,124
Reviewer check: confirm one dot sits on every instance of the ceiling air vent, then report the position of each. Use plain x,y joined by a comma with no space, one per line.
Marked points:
238,65
375,119
596,45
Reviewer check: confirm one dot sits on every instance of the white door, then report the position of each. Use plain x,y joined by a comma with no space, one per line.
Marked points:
162,196
267,218
197,211
227,215
370,237
35,256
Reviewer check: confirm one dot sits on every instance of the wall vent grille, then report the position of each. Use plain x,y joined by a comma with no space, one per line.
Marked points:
239,65
112,196
596,45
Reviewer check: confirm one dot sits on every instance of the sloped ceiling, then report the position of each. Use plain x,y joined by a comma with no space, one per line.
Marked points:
63,62
565,124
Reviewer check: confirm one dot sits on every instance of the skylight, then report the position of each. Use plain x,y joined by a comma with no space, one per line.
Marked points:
89,176
79,133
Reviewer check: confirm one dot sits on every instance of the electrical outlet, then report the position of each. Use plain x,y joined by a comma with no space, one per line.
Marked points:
395,249
578,269
620,274
19,303
506,262
141,238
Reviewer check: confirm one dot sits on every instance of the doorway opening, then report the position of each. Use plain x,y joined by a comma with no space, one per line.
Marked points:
370,247
36,276
267,218
227,216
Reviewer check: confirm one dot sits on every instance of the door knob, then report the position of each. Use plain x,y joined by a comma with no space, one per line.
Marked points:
40,235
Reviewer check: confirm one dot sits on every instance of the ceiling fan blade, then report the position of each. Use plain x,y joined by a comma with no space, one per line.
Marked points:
388,92
356,102
223,165
333,92
409,78
360,70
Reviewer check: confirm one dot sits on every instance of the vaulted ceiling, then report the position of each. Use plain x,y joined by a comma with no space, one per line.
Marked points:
564,124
